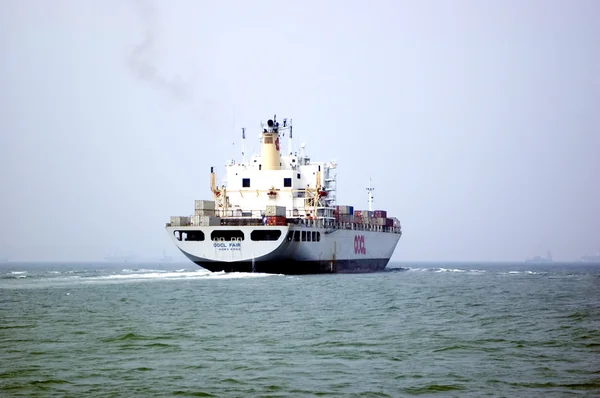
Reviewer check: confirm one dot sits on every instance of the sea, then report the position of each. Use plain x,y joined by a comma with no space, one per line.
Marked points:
416,329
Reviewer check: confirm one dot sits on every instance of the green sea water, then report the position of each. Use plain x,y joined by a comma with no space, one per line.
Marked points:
138,330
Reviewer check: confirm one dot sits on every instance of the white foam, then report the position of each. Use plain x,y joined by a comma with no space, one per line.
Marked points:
449,270
536,273
175,275
143,270
439,270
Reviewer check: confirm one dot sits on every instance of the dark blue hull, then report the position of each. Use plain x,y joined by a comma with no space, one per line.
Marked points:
300,267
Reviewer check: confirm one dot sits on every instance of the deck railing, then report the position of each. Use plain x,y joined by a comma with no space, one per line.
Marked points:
308,223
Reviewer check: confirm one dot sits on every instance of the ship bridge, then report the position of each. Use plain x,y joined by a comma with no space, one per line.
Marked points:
275,177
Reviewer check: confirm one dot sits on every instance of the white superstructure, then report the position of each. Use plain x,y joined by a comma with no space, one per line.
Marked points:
304,188
277,212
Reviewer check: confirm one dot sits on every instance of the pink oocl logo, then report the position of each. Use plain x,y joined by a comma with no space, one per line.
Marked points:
359,244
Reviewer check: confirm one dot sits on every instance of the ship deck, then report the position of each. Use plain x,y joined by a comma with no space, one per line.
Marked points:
300,222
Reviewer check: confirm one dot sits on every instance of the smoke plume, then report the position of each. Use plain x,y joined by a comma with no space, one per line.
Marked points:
144,57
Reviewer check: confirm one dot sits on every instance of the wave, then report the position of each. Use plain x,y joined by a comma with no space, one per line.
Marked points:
523,272
455,270
179,274
475,271
61,278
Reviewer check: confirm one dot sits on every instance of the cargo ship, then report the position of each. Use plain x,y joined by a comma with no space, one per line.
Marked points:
594,258
277,212
539,259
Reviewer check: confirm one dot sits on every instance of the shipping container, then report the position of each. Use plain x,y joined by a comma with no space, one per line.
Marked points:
275,211
378,221
347,218
211,221
389,222
205,205
201,213
344,210
179,221
380,213
275,220
363,213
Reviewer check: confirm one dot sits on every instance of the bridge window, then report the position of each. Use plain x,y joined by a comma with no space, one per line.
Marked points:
298,175
245,182
227,235
287,182
265,234
297,236
290,236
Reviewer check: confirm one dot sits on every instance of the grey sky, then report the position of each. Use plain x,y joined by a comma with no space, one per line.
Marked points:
479,122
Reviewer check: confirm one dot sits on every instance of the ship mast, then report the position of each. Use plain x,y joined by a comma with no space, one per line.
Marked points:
370,195
290,148
243,145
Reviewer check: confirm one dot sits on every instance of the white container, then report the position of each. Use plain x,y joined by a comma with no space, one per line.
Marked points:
207,221
179,221
272,210
205,205
199,212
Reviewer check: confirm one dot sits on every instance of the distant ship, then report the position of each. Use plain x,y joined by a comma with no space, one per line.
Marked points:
277,213
538,259
594,258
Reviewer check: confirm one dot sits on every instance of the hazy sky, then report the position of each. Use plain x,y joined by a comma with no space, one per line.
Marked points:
479,121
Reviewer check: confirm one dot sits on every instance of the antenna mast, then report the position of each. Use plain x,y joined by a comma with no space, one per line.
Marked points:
243,145
286,124
370,195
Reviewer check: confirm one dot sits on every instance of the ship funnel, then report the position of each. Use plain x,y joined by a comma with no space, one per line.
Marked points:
271,155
